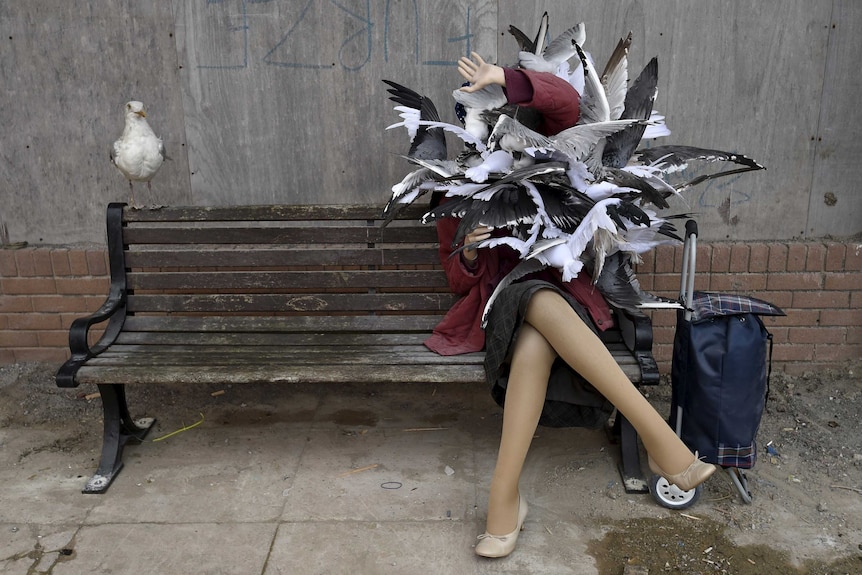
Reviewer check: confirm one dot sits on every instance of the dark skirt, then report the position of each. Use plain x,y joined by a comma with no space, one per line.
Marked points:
571,401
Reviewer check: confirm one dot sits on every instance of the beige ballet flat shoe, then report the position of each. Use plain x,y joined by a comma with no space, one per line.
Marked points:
694,474
501,545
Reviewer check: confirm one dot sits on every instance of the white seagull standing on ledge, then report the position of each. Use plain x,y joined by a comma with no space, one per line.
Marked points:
139,153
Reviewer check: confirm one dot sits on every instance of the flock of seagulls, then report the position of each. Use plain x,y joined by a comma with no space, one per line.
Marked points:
584,199
138,153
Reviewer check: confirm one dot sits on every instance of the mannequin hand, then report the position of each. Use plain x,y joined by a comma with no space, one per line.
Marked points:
479,234
479,73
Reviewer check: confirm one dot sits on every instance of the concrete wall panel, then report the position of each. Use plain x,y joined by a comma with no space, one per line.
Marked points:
278,101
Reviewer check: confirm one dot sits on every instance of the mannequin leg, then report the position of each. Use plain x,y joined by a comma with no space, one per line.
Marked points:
532,359
576,343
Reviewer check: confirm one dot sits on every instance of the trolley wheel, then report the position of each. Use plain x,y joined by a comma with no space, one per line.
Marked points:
741,481
671,496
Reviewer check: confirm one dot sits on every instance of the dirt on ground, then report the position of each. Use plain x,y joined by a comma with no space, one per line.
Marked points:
804,517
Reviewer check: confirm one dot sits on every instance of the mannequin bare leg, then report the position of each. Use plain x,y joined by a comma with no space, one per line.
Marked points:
553,328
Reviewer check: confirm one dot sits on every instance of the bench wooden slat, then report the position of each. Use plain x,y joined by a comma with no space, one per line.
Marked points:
423,323
194,339
266,213
277,374
198,256
334,279
280,235
319,302
251,355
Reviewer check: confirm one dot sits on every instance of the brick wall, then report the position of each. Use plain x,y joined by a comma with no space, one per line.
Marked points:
818,284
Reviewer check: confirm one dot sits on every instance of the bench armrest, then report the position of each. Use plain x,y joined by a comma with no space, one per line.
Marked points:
114,312
636,330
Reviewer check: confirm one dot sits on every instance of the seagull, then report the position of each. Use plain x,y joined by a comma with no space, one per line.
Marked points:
585,198
139,153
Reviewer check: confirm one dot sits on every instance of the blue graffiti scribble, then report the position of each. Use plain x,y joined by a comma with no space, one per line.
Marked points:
466,37
386,31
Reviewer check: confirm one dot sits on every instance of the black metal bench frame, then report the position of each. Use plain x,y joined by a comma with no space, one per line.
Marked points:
281,294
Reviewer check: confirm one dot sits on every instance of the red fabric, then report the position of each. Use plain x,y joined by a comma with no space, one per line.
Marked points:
555,98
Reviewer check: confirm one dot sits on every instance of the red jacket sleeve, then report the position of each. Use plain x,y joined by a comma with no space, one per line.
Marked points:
556,99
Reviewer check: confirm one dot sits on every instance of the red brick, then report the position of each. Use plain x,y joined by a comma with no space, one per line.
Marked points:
777,258
8,267
794,281
817,334
782,299
720,261
816,257
646,280
33,321
41,355
87,286
856,300
853,257
731,282
835,257
664,259
12,338
841,317
60,262
758,257
788,352
97,263
666,283
54,338
843,281
796,257
663,320
27,285
78,263
24,260
821,299
802,317
834,353
854,334
779,335
739,257
15,304
60,303
42,265
647,264
7,356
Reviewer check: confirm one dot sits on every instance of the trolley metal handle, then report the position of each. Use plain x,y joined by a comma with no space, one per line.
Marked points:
689,264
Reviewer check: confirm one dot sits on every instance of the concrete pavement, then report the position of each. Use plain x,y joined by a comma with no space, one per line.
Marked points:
302,479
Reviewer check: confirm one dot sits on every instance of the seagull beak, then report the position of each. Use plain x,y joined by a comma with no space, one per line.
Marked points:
142,114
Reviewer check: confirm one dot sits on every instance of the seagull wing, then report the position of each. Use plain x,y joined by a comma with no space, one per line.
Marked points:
562,47
427,142
594,101
638,104
579,140
513,136
615,77
673,158
620,287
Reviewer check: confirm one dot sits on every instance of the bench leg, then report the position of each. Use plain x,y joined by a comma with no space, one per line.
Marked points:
630,466
119,429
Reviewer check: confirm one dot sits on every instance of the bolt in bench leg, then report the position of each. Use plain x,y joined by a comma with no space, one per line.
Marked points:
119,429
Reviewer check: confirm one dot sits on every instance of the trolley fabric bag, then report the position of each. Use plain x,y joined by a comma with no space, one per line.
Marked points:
719,376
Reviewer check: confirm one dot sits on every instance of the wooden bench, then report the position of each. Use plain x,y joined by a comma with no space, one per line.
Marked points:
279,294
